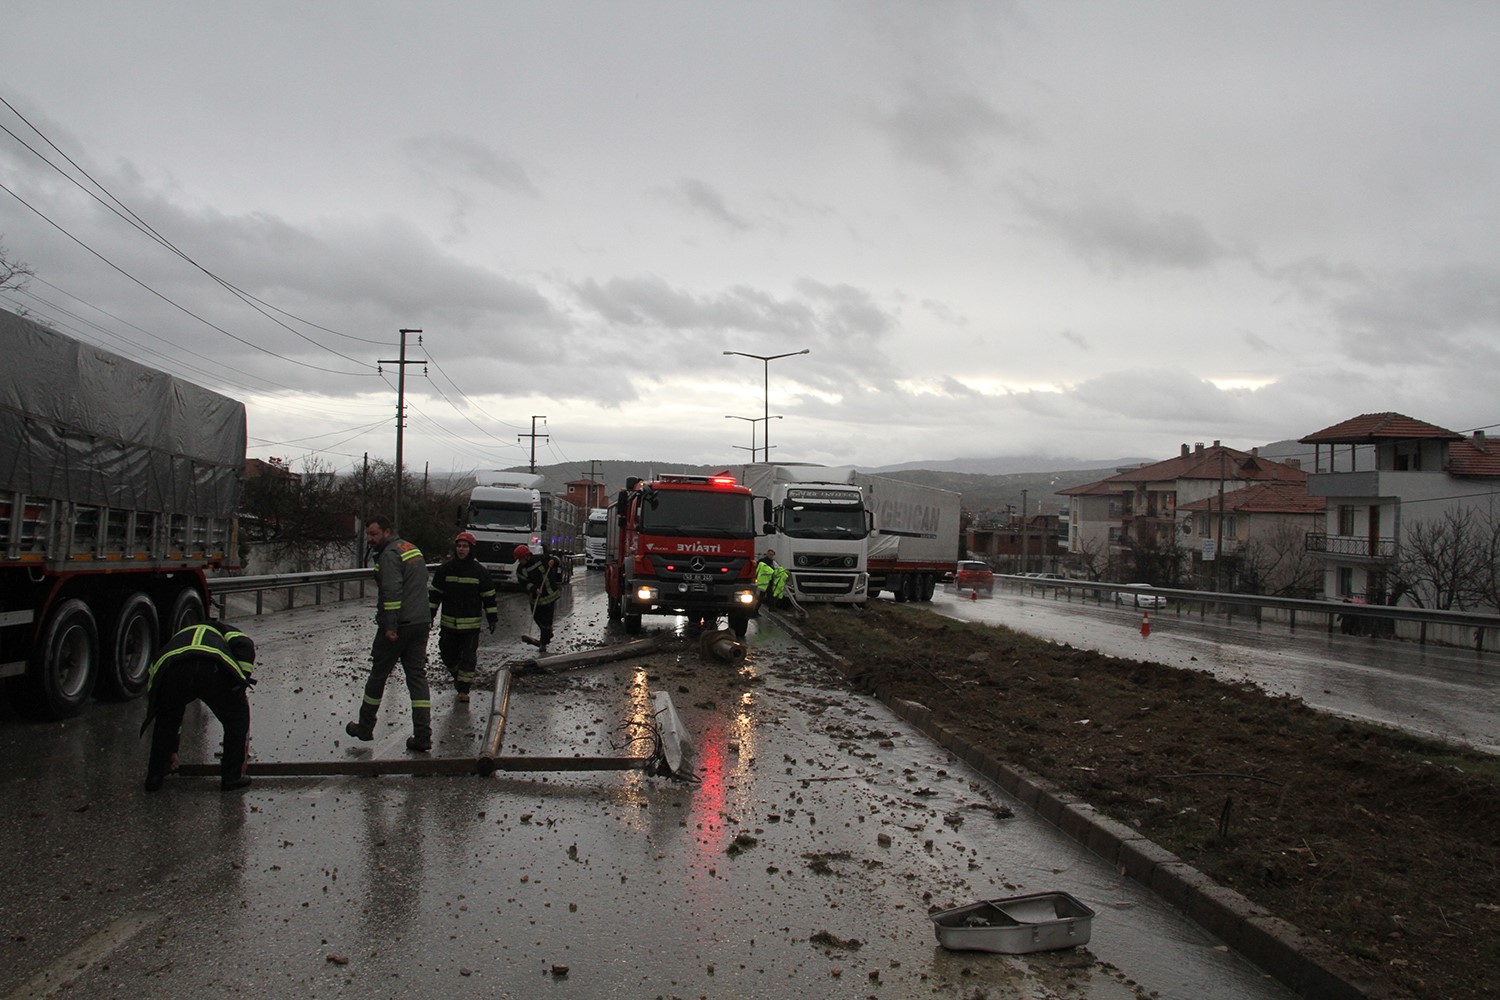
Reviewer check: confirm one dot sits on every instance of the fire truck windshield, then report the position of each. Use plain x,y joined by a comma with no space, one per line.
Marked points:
698,512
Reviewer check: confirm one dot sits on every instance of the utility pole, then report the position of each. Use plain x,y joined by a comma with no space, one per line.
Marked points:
533,435
594,495
402,362
1025,532
1219,545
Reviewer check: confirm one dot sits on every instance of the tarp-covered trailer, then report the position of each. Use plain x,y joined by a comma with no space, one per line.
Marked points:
119,486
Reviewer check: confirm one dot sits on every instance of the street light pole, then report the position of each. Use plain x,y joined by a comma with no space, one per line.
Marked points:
765,360
752,421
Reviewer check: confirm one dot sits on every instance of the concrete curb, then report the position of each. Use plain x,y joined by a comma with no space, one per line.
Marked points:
1279,948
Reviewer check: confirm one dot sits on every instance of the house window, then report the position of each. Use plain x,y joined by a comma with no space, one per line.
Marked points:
1346,581
1229,528
1346,520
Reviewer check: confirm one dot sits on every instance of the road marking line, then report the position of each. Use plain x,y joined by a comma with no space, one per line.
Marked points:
71,967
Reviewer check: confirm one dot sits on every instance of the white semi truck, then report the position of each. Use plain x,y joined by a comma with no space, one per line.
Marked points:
594,531
505,510
816,520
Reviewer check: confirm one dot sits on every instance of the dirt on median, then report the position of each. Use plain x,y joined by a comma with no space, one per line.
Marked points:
1385,847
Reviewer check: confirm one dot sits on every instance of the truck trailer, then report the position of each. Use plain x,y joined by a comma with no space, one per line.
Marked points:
119,486
916,540
681,545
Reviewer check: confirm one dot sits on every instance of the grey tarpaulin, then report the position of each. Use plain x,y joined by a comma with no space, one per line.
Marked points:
78,423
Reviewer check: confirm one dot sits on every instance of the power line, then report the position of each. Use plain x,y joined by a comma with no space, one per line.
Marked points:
145,228
174,304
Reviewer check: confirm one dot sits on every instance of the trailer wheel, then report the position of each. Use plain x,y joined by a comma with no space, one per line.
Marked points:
133,644
929,586
64,666
187,609
632,624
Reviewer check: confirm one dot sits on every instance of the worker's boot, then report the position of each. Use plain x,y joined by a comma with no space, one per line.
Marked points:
359,732
420,741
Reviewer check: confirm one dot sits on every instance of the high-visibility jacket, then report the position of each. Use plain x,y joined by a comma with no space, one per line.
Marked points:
220,643
401,577
771,579
542,578
465,592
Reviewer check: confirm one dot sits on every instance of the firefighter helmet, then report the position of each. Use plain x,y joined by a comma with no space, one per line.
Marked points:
523,552
464,536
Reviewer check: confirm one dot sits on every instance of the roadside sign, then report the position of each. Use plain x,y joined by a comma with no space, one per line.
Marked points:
1209,550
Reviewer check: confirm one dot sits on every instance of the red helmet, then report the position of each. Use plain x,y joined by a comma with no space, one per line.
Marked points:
464,536
523,552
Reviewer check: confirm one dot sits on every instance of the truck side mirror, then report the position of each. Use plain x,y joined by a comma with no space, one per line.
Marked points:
767,516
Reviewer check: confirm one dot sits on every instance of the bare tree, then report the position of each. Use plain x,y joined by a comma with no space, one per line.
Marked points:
1087,558
1487,586
1277,563
14,274
1441,562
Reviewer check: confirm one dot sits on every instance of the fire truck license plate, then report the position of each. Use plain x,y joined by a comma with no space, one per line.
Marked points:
697,577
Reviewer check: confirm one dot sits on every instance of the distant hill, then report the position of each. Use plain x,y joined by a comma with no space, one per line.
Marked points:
1006,465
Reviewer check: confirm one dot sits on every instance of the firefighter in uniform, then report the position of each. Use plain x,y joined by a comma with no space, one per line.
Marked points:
209,662
542,578
402,623
462,588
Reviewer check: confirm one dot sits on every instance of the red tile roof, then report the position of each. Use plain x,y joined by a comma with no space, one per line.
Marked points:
1264,498
1476,456
1372,428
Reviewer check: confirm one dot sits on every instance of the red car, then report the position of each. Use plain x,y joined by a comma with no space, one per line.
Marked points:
975,576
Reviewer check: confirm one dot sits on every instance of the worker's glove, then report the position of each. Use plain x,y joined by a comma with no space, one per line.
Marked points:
493,622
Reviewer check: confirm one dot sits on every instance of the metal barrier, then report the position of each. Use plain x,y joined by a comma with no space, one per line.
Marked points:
220,587
1333,611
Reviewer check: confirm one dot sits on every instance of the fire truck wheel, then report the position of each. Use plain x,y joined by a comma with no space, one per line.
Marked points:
134,640
632,624
186,609
64,665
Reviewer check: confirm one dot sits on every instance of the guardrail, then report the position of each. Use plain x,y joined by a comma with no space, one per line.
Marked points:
220,587
1332,611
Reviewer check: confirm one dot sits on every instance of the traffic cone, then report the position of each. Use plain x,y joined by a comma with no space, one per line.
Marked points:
1145,624
973,595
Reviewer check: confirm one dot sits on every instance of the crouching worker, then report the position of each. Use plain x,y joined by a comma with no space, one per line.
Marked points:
462,588
541,576
210,662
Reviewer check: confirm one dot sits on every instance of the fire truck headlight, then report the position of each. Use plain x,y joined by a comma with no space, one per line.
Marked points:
745,597
645,593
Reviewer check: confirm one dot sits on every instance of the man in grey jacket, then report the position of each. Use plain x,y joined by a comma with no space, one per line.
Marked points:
402,623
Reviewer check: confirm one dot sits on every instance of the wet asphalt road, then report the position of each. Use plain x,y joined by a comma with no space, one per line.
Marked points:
801,863
1441,691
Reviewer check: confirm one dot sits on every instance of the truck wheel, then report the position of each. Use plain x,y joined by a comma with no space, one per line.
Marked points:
899,588
929,586
739,621
187,609
632,624
133,645
613,606
64,666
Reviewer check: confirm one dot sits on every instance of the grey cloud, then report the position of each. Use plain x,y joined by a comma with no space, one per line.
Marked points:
458,157
1117,237
705,200
1454,310
945,129
1076,339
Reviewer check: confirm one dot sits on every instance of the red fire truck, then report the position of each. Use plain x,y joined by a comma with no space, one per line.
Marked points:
682,545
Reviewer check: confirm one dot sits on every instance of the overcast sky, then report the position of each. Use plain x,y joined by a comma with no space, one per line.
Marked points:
1078,229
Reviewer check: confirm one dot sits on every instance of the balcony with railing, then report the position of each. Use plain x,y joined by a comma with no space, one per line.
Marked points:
1357,547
